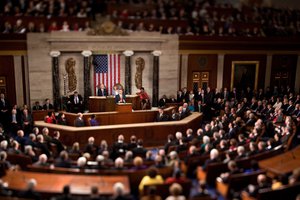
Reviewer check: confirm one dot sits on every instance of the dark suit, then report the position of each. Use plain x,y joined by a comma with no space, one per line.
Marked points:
102,92
186,97
290,109
75,103
139,151
4,112
118,98
43,147
59,145
79,122
162,102
48,107
162,117
225,95
209,98
119,149
37,107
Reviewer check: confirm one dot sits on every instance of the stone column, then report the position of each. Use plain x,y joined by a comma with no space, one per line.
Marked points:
220,71
268,71
128,55
86,76
297,81
155,90
55,79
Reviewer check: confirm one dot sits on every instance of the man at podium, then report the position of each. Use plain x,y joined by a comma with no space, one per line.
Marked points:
120,97
102,92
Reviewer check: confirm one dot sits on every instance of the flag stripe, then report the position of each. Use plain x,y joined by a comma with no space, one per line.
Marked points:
107,71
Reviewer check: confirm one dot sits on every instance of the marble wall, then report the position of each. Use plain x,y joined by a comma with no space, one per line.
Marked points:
73,43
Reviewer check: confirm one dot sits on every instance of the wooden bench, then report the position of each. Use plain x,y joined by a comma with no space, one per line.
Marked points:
236,182
288,192
22,160
163,189
135,176
215,169
212,171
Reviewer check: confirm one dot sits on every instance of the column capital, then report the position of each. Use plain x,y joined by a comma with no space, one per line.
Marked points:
54,53
86,53
156,53
128,53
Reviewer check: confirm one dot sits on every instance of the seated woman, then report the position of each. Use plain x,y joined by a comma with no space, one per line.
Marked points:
61,119
50,118
151,179
93,121
145,100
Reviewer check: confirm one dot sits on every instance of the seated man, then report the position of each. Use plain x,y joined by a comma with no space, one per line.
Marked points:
145,100
102,90
47,105
120,97
75,103
161,116
79,122
37,106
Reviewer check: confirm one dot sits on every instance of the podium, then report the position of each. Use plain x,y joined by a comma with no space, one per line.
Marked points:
124,107
107,104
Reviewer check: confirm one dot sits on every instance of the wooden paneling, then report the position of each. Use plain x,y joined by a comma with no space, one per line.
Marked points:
52,184
228,64
239,43
7,70
106,104
203,63
13,42
284,64
152,133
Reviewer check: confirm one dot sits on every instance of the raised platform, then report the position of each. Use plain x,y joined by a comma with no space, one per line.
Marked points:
153,133
115,118
52,184
107,104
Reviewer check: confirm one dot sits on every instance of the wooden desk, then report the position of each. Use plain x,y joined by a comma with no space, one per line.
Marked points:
152,133
54,183
124,107
283,163
107,104
40,114
114,118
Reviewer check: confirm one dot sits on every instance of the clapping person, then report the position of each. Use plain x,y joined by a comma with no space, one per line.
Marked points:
120,97
145,100
47,105
75,102
102,90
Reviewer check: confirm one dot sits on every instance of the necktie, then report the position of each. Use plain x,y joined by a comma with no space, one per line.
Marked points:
3,102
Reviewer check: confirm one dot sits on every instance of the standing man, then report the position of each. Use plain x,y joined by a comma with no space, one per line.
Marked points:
47,105
120,97
4,110
75,102
102,90
79,121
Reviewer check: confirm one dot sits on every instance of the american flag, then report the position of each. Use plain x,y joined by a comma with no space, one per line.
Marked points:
107,71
